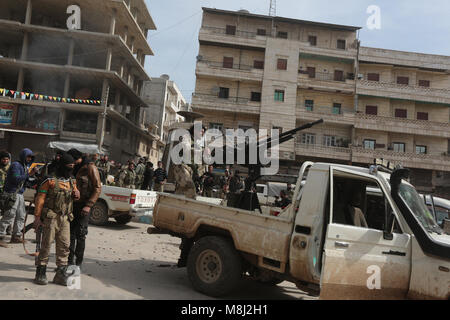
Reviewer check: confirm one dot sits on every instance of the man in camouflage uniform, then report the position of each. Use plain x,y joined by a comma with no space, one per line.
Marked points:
104,168
127,178
140,169
54,210
5,159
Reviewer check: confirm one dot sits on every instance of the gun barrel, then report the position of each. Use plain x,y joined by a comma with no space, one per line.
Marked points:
288,135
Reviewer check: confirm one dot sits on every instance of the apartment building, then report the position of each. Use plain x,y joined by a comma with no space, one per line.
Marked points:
74,72
270,72
165,100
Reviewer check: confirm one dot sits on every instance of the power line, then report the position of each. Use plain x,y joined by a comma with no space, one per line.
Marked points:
176,24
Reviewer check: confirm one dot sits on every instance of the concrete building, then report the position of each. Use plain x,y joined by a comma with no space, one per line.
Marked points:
164,99
75,73
271,72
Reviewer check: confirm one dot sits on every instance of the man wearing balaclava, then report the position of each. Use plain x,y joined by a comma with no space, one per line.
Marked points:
54,211
15,186
90,186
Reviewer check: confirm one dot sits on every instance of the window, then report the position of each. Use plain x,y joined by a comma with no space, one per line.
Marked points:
421,150
224,93
261,32
341,44
369,144
424,83
338,75
282,35
309,105
231,30
312,40
403,80
256,96
228,62
279,95
311,72
258,64
308,138
34,117
422,115
373,77
373,110
401,113
82,122
329,141
398,147
337,108
282,64
217,126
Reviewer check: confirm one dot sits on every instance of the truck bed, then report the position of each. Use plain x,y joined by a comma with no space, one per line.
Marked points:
263,236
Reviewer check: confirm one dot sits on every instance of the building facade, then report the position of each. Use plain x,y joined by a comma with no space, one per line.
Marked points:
271,72
164,100
74,73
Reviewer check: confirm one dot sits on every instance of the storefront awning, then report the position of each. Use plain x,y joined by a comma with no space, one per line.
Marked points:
82,147
30,132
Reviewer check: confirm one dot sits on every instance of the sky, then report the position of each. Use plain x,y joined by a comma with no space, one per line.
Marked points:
406,25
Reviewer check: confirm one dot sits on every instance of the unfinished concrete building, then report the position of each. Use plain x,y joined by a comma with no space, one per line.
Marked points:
74,72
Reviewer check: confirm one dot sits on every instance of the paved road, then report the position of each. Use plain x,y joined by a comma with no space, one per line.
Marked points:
122,262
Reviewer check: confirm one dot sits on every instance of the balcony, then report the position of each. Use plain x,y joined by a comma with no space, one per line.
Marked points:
408,160
400,125
326,82
235,72
322,151
348,54
240,38
342,116
403,92
201,101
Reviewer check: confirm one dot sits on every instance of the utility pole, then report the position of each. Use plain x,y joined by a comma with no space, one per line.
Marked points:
273,8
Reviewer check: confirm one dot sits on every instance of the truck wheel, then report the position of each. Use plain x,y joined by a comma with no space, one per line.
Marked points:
99,214
214,266
123,219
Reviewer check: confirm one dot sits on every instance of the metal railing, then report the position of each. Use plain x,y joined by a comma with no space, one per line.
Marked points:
326,109
216,98
422,123
388,85
322,76
322,147
222,65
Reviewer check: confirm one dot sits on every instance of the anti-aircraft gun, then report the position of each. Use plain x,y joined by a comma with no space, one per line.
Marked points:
248,199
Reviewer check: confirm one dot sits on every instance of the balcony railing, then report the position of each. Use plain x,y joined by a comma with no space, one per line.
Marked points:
322,76
326,109
418,123
389,85
216,98
215,64
223,31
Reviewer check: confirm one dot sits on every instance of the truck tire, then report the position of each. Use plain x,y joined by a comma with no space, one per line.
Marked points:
123,219
99,214
214,266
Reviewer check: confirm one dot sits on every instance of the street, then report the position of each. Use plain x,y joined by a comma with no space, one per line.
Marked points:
121,262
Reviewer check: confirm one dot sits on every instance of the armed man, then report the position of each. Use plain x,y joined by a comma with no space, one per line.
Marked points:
127,177
5,159
89,184
209,180
54,210
104,168
140,170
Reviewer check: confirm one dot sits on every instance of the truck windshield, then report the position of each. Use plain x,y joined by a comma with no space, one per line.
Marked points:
418,207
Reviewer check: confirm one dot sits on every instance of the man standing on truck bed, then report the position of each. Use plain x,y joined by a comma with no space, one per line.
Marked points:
160,177
127,177
54,210
209,180
147,184
89,184
140,169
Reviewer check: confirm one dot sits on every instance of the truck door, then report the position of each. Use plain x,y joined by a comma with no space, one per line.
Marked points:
358,262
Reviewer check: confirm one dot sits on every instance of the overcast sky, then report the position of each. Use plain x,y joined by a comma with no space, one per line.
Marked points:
409,25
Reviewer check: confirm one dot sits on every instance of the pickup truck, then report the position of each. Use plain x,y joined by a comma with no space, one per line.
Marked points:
122,204
335,240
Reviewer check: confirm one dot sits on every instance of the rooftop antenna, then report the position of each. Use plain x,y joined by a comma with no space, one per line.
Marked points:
273,8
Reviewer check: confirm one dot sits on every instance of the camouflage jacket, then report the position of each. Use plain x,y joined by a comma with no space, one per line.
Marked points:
3,173
127,179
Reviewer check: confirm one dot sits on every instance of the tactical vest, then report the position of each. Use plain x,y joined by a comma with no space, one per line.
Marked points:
129,178
3,174
59,201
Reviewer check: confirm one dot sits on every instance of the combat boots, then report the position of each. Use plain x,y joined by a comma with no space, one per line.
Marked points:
60,276
41,278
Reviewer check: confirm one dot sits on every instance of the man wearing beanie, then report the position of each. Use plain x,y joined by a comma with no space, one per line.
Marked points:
89,184
54,211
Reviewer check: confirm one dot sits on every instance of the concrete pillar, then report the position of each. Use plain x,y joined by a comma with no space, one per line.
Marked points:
125,35
122,69
71,52
139,55
66,86
128,3
117,101
132,44
20,79
134,12
108,59
28,12
102,116
24,53
105,92
112,25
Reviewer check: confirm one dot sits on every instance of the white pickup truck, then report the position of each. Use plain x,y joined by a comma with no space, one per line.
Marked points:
122,204
335,239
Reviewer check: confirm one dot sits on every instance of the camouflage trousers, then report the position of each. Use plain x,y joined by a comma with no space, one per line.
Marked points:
184,183
55,229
